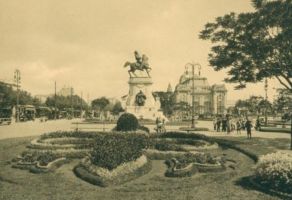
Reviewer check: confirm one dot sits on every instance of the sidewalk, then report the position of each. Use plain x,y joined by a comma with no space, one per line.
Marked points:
34,128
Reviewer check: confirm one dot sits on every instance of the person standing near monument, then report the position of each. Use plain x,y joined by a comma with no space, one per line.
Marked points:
238,126
248,126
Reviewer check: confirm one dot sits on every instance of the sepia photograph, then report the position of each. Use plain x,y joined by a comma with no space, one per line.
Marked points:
145,100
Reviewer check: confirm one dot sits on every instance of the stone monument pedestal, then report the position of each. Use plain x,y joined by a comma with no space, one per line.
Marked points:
140,101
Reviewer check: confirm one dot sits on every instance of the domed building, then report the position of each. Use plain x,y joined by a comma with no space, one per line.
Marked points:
207,99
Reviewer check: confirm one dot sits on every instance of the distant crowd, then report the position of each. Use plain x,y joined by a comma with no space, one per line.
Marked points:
228,124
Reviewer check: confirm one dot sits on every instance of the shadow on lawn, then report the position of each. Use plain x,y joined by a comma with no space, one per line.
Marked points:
248,183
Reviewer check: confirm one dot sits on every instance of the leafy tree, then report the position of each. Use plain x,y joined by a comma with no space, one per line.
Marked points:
100,103
117,108
254,45
8,97
283,103
254,105
167,101
64,102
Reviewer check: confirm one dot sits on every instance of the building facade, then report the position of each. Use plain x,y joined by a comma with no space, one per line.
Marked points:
208,99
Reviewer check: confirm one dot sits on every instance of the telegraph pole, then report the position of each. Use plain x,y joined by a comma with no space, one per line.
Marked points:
81,107
266,101
71,99
55,117
17,81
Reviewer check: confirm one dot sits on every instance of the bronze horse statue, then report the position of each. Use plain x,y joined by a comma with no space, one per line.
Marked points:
141,64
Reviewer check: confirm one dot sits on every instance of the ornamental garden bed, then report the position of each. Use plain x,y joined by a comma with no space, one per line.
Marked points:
155,154
189,164
103,177
38,162
113,158
65,144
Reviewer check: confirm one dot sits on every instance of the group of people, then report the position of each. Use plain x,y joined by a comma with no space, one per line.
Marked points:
228,125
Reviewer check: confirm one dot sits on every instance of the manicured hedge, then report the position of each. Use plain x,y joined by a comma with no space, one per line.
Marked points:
68,134
111,150
221,142
167,146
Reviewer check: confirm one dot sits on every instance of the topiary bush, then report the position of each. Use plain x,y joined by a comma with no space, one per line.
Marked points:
111,150
127,122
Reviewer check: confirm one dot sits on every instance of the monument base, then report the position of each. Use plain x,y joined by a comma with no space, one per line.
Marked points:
144,112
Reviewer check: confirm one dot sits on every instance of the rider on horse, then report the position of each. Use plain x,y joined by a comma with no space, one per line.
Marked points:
140,64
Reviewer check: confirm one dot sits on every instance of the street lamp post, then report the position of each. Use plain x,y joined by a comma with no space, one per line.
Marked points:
193,88
17,82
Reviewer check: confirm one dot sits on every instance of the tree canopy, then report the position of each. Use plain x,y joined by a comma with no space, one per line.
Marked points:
64,102
167,101
100,103
8,97
253,45
254,104
283,102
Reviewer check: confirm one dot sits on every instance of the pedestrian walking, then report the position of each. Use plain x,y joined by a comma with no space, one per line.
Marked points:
224,124
258,124
228,124
248,126
218,125
243,124
238,126
215,123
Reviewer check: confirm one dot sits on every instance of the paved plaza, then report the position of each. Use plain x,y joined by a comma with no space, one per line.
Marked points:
36,128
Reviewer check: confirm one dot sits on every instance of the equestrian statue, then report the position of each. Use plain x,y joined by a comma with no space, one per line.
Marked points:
140,64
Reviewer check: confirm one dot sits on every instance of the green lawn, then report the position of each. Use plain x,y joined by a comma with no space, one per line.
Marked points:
62,184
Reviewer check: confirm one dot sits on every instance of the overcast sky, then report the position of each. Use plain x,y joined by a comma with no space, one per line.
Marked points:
84,43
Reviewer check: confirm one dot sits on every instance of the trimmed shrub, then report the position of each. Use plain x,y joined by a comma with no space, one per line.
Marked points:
127,122
275,171
111,150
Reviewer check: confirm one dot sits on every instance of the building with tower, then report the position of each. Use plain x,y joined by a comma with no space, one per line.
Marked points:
208,99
